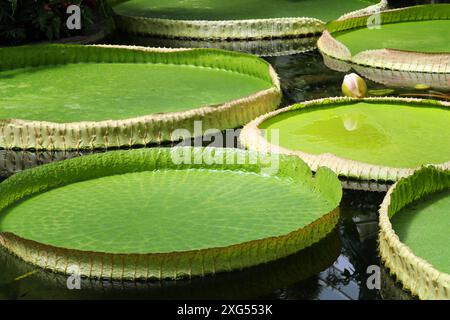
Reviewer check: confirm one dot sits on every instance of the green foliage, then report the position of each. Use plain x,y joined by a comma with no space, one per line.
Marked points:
24,21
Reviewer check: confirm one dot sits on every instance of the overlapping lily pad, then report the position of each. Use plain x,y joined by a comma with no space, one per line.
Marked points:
393,78
234,19
382,139
408,39
88,97
414,237
166,213
258,47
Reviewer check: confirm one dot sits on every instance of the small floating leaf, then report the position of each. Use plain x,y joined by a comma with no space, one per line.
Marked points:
381,92
421,86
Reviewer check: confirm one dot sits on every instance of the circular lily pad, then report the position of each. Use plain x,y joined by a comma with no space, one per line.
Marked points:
414,237
74,97
138,214
407,39
369,139
233,19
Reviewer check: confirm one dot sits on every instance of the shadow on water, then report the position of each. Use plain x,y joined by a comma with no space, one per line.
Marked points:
249,283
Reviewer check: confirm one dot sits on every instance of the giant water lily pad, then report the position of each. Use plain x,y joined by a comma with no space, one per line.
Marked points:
165,213
414,237
233,19
409,39
74,97
380,139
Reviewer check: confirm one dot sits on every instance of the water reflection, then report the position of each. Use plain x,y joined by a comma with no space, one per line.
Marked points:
249,283
14,161
310,76
391,289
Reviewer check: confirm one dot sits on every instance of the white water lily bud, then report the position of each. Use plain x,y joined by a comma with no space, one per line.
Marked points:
354,86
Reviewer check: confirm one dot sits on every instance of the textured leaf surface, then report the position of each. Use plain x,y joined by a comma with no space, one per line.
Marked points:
389,134
165,211
143,214
131,95
95,92
424,36
237,9
413,238
424,227
413,39
71,83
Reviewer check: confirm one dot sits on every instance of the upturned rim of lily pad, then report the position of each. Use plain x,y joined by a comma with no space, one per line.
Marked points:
389,77
181,263
153,128
269,28
415,273
387,58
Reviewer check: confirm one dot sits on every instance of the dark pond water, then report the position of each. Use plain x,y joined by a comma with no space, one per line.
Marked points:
335,268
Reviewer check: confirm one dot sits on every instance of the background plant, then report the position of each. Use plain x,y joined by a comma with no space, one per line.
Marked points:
36,20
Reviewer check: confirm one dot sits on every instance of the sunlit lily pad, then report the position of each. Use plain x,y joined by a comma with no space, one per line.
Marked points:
145,214
89,97
414,237
234,19
380,139
409,39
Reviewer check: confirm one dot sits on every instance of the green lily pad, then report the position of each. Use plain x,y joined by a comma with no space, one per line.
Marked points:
370,139
238,10
414,237
51,91
421,86
144,216
424,224
114,91
424,36
409,39
233,19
